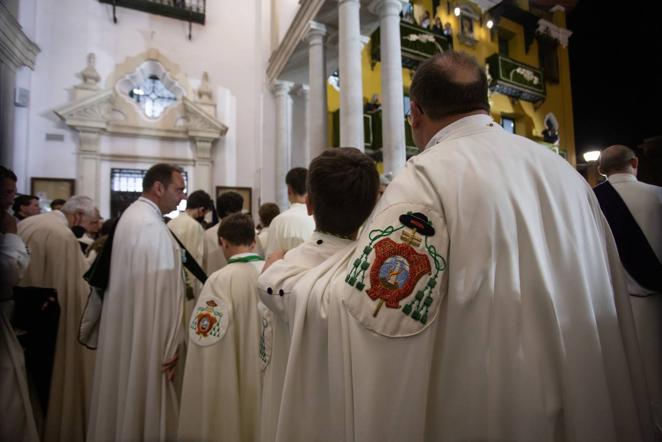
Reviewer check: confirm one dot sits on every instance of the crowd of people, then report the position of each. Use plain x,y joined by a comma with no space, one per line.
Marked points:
485,292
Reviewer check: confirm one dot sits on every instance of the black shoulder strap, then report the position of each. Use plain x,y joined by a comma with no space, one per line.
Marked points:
635,252
190,263
99,272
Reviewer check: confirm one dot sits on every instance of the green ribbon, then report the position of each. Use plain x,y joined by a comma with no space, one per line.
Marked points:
248,258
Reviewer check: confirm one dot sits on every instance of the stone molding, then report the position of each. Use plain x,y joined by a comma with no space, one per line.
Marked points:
16,49
562,35
295,33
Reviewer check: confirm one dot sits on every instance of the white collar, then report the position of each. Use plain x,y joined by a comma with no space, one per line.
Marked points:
622,178
241,255
151,203
328,240
298,206
456,127
61,217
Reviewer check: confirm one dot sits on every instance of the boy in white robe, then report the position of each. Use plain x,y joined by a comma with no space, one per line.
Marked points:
227,203
343,186
293,226
221,390
267,212
483,301
189,231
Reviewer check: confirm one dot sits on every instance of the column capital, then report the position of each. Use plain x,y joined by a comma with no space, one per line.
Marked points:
280,88
316,33
385,8
300,90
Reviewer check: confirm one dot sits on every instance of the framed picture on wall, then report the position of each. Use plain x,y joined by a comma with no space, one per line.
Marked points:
48,189
245,192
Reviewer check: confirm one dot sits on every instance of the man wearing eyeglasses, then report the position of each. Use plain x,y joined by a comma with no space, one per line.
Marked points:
483,301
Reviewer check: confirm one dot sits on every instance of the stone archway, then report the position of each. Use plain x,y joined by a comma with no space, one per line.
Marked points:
110,111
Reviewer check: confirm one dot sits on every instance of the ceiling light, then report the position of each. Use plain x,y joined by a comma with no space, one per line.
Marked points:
457,11
490,24
593,155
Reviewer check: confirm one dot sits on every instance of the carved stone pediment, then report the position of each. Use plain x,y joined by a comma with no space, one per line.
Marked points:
90,112
113,111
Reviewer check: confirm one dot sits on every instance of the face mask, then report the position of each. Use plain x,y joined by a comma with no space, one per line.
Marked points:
79,231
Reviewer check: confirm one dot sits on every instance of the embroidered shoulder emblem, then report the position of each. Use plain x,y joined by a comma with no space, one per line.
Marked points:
266,335
209,321
401,263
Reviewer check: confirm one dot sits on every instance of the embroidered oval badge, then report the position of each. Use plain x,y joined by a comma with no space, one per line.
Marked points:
397,271
266,336
209,321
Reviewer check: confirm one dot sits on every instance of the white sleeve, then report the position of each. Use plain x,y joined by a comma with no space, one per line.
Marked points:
14,258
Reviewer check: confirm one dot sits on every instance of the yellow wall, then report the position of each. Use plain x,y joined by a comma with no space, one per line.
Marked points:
529,120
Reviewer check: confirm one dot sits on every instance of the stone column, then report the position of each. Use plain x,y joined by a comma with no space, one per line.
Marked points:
203,166
300,140
281,90
393,126
349,61
317,106
88,163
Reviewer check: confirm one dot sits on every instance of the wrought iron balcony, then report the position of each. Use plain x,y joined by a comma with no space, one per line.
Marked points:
187,10
515,79
417,43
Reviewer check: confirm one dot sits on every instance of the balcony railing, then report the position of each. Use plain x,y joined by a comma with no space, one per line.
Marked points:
187,10
417,43
515,79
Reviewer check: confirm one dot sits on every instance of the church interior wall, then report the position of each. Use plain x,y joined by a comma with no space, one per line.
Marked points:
230,47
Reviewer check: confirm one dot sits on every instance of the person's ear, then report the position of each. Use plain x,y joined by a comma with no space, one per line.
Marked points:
159,188
309,205
416,114
634,162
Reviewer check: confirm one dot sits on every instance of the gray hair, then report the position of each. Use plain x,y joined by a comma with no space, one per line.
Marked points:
615,159
80,203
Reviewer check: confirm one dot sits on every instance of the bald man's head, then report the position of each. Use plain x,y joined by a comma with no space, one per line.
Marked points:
617,159
450,83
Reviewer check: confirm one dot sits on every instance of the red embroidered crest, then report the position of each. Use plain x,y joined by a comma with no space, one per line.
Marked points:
205,323
395,272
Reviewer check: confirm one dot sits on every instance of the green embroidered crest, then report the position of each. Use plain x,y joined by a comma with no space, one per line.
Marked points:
208,322
397,267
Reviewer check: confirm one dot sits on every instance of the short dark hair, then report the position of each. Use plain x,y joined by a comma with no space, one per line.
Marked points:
57,202
267,212
237,229
296,179
7,174
199,198
228,203
162,173
449,83
22,200
343,184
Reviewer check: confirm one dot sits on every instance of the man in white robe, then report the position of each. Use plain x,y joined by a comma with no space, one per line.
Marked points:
333,175
483,301
634,212
295,225
17,422
57,262
188,229
227,203
221,389
134,397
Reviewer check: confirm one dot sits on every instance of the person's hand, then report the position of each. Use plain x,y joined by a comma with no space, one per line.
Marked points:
7,223
278,254
168,367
